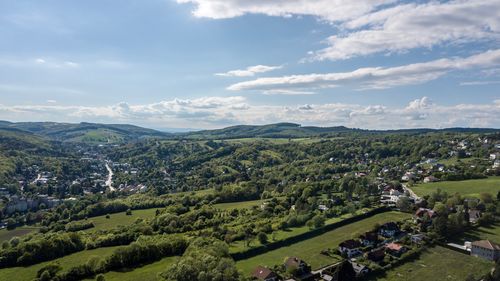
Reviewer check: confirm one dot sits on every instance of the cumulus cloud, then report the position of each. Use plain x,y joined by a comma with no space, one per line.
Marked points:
405,27
330,10
249,71
216,112
375,26
373,77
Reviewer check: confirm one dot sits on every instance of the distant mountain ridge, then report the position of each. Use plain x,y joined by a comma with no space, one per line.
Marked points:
112,133
84,132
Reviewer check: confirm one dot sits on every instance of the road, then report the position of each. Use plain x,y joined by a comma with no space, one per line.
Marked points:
109,181
412,194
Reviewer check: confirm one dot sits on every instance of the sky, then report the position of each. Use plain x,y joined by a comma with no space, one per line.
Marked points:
202,64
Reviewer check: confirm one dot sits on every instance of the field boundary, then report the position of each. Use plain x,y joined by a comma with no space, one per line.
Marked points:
305,236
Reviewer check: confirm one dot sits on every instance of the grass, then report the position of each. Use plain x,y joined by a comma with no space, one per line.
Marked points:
438,263
238,205
310,250
102,223
148,272
18,231
467,188
239,246
29,272
491,232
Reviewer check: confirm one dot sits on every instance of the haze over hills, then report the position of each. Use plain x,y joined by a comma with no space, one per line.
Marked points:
112,133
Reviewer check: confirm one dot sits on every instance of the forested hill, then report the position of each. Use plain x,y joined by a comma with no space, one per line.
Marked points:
119,133
84,132
292,130
279,130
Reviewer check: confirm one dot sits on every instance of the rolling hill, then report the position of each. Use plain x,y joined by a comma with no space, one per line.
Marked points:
84,132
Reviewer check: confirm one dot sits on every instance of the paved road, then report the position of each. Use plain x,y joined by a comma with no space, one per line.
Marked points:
109,181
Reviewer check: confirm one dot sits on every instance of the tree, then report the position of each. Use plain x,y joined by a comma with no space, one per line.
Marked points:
262,237
404,204
486,197
204,259
100,277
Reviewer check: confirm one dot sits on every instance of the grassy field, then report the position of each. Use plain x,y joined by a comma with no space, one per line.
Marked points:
310,250
239,246
102,223
491,232
18,231
238,205
29,272
467,188
438,263
145,273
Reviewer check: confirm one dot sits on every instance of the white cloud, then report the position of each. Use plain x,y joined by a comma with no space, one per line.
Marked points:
287,92
249,71
377,26
216,112
479,83
330,10
405,27
373,77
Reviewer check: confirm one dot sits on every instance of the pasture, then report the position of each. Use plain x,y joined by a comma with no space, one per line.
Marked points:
467,188
438,263
6,235
29,272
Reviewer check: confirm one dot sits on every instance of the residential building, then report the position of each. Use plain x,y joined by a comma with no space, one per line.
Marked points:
474,215
299,266
395,249
389,230
350,248
369,238
486,249
360,269
265,274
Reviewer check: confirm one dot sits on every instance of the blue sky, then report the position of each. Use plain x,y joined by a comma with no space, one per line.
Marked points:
213,63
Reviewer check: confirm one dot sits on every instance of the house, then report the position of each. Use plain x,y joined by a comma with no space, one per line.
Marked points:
496,164
376,255
298,266
422,213
389,230
486,249
369,238
323,208
430,179
360,269
395,249
418,238
493,156
474,215
408,176
350,248
264,273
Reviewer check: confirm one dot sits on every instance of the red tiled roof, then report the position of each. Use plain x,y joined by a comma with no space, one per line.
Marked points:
393,247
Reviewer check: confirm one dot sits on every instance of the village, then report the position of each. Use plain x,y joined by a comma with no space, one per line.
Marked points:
392,243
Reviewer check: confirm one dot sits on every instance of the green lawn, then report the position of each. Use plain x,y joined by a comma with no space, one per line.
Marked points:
310,250
18,231
145,273
102,223
467,188
29,272
438,263
491,232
